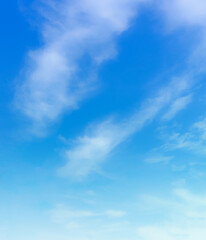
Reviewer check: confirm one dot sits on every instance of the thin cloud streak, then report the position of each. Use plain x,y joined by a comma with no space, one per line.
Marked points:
187,12
177,106
184,219
194,140
53,81
92,148
159,159
62,214
175,97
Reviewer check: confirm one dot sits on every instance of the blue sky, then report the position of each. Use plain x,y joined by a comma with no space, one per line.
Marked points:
103,121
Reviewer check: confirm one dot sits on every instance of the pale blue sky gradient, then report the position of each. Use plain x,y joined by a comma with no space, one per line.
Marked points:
103,121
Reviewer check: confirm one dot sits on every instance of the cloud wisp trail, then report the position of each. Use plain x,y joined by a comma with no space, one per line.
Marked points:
92,148
53,80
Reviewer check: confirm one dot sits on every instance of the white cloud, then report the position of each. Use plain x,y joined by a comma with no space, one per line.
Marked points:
171,233
201,128
72,30
184,218
159,159
177,106
185,12
190,15
92,149
179,215
70,217
115,213
87,224
61,214
194,140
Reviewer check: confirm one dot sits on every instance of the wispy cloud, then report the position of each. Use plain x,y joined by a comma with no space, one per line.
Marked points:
61,214
183,218
92,148
193,140
77,219
190,15
180,215
177,106
53,81
159,159
187,12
